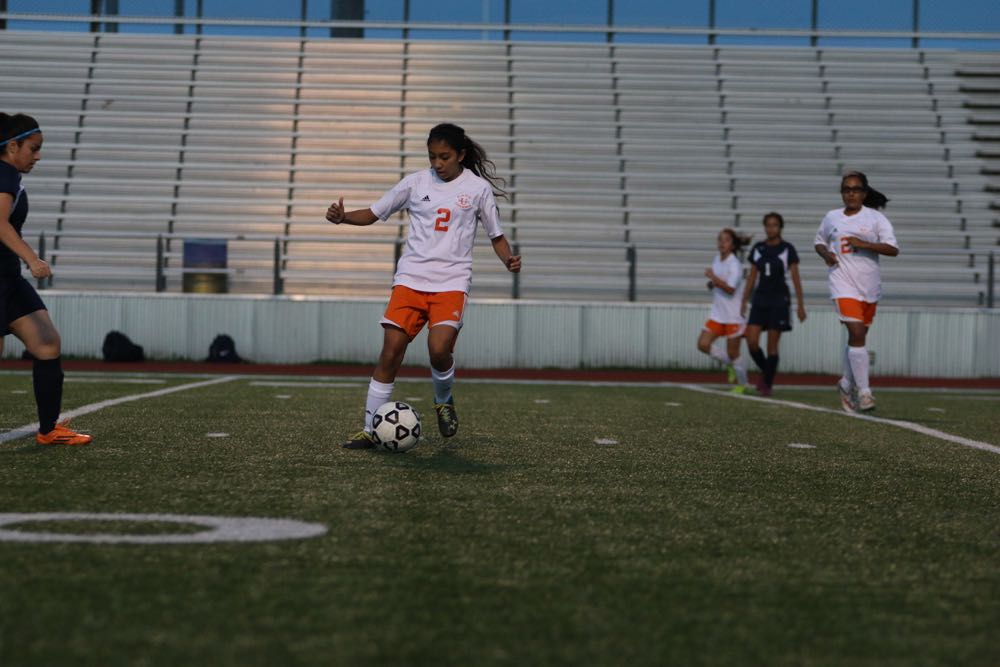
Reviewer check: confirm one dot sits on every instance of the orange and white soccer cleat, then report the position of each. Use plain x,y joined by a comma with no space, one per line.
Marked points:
62,435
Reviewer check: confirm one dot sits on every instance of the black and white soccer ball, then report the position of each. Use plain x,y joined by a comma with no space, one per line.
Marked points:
396,426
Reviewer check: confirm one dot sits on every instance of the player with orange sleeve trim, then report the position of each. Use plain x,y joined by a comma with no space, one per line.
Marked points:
850,241
725,320
447,203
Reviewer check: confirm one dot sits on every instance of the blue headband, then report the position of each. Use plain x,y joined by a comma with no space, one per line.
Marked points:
20,136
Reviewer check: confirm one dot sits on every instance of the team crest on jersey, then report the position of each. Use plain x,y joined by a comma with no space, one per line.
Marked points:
463,201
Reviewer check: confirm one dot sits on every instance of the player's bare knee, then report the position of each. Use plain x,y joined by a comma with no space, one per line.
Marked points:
48,345
441,359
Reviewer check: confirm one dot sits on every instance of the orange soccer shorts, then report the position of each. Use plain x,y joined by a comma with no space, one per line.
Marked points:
727,330
852,310
410,310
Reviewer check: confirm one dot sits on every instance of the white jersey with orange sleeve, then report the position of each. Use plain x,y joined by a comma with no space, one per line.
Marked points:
443,220
726,307
857,274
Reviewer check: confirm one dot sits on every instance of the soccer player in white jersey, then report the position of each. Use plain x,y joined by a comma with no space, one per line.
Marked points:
447,202
850,241
725,320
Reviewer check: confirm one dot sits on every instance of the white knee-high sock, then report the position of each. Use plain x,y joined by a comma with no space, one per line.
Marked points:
443,380
847,381
741,370
859,366
719,354
378,393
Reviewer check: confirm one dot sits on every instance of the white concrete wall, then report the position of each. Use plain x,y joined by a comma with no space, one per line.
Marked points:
503,333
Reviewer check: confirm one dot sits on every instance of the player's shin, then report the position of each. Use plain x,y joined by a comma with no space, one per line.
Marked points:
858,357
378,393
847,381
719,354
47,378
443,381
772,369
741,371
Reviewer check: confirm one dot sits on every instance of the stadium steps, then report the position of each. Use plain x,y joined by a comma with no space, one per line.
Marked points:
168,136
980,84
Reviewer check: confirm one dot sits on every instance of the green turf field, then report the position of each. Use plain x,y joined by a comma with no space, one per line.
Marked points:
700,538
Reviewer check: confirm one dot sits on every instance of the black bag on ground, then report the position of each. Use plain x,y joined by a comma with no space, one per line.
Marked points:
119,347
223,350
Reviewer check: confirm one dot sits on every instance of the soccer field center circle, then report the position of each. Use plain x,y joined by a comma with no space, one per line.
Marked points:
218,528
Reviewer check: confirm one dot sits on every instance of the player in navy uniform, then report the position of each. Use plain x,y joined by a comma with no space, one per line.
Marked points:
770,260
22,312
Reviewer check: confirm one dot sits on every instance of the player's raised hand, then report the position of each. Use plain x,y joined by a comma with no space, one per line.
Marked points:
513,263
335,213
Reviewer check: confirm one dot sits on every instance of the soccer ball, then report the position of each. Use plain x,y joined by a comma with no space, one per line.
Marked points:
396,426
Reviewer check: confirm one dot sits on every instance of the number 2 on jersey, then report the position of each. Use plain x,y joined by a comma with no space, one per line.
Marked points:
441,223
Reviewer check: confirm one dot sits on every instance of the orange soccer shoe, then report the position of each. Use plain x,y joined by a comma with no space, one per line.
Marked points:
62,435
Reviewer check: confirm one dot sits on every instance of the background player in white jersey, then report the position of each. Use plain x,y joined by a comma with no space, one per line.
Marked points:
770,260
724,278
446,203
850,241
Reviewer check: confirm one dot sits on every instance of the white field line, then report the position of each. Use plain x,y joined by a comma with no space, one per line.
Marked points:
114,380
291,380
917,428
94,407
304,384
924,430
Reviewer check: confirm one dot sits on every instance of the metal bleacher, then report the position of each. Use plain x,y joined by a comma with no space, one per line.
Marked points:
622,161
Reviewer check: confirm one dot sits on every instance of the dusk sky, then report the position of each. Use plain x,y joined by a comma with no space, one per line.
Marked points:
934,15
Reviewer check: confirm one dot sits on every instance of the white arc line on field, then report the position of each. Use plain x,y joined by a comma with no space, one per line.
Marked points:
923,430
94,407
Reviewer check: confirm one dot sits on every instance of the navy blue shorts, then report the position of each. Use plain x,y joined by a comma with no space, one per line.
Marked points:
773,315
17,299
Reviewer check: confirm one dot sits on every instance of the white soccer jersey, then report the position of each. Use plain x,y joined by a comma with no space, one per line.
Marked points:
443,217
856,275
726,307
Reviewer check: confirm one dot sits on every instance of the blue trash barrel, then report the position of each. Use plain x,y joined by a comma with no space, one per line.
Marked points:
205,254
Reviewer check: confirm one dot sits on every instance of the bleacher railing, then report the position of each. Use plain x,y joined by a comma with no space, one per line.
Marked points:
167,263
812,36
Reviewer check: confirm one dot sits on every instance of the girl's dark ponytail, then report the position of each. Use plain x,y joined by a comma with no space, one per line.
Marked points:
740,241
475,156
873,198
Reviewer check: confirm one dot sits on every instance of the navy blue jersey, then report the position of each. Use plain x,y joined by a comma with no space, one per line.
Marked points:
10,182
772,262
